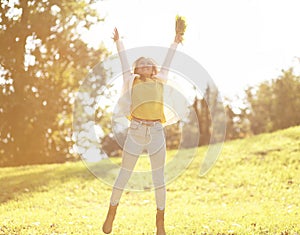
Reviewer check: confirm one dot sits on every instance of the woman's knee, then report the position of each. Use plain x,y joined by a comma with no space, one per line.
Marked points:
158,178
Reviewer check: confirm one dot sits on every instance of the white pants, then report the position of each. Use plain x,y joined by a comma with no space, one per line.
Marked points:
140,137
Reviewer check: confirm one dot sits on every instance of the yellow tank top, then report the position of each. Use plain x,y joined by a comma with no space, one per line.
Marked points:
147,99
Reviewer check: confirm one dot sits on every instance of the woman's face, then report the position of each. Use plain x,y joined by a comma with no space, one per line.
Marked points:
144,67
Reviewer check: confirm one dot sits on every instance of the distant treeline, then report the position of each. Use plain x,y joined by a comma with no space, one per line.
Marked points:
267,107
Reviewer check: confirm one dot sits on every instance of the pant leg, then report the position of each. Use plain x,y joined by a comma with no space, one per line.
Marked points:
133,147
127,166
157,154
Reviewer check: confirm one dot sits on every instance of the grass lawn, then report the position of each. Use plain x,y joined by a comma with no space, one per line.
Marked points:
254,188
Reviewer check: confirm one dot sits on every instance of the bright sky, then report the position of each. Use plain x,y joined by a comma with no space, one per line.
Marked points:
239,42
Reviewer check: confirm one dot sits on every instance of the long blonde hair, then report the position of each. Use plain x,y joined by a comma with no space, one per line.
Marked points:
154,65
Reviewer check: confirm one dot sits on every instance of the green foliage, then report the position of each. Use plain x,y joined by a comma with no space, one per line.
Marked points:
252,189
43,59
275,105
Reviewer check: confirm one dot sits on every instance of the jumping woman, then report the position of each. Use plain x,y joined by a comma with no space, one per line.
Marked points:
143,105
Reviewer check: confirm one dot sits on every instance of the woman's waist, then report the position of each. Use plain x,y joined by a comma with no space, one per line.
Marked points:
148,122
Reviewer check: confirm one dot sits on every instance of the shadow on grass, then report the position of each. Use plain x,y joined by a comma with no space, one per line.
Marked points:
24,179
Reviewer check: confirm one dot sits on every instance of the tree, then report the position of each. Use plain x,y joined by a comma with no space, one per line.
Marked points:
286,100
204,117
261,107
211,116
238,125
276,104
43,59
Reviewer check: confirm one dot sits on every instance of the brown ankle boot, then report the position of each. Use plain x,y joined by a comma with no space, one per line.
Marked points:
107,226
160,222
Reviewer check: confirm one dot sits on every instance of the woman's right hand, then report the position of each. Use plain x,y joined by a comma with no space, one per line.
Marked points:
115,35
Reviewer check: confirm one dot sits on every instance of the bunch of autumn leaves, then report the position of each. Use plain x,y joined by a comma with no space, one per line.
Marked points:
180,25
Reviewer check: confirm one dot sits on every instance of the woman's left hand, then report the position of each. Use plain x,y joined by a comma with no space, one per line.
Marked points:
178,38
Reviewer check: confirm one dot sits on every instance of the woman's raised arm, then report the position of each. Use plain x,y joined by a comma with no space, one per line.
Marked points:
122,54
166,65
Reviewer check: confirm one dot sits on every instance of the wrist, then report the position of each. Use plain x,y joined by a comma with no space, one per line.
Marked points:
174,45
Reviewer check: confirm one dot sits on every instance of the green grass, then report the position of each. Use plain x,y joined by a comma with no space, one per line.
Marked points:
254,188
